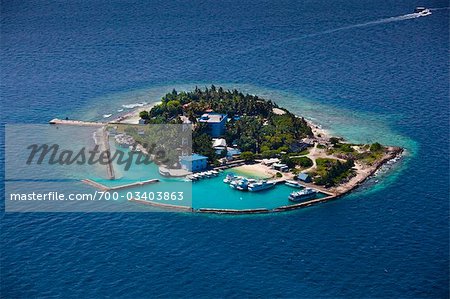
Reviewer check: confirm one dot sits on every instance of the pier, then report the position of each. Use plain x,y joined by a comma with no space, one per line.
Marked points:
69,122
115,188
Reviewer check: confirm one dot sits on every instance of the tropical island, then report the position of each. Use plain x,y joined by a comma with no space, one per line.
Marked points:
263,144
259,130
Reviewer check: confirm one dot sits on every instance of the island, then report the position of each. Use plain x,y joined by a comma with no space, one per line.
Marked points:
262,143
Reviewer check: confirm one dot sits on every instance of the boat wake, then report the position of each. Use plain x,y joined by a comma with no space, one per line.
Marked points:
366,24
381,21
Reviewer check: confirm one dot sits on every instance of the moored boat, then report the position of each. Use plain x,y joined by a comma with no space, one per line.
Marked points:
260,185
229,178
241,184
294,184
304,194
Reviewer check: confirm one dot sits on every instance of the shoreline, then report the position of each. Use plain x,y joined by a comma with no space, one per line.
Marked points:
257,170
132,117
317,130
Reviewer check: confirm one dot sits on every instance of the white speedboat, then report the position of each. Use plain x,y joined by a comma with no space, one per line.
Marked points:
422,11
304,194
261,185
229,178
242,184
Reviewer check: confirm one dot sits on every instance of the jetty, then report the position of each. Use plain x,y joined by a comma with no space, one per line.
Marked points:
104,139
70,122
115,188
163,205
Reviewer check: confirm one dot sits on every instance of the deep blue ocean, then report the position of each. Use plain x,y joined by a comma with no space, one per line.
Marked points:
349,59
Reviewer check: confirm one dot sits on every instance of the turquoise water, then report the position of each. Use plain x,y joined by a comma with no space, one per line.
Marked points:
197,194
213,193
365,70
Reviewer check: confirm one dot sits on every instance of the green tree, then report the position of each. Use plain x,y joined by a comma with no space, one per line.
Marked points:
247,156
375,147
144,115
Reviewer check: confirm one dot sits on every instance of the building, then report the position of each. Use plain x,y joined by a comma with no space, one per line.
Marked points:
219,143
269,162
304,177
141,121
194,162
216,123
308,141
280,167
299,146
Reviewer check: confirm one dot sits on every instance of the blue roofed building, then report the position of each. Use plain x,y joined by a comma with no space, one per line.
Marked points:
304,177
194,162
216,123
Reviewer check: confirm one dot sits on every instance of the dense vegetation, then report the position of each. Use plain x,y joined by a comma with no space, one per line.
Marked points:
331,172
367,154
253,126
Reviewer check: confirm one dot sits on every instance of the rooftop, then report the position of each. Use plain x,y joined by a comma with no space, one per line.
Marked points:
193,157
302,176
212,117
219,142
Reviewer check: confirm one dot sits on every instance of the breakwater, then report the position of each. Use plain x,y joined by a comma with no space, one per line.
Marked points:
69,122
163,205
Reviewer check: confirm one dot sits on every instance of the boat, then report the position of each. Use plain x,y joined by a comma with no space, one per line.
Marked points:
294,184
229,178
304,194
423,11
191,177
260,185
242,184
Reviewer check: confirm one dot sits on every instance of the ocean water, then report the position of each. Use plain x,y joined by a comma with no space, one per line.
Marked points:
364,70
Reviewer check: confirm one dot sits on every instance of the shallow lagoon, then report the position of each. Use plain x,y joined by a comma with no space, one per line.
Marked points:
204,193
